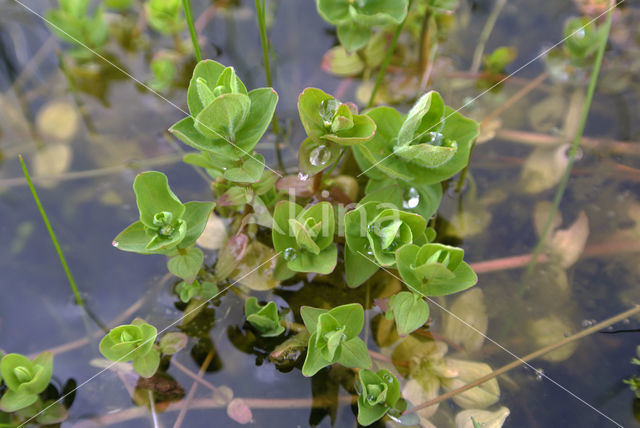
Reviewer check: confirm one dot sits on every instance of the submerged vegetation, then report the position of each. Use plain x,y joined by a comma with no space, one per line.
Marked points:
330,263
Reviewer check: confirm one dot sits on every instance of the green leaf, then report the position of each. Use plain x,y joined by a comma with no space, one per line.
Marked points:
333,11
186,132
323,263
263,105
13,401
195,215
409,310
379,394
186,266
223,117
354,353
126,342
353,35
381,12
351,316
420,199
24,376
249,172
358,267
310,317
426,115
136,239
265,319
208,71
53,412
146,365
314,361
314,155
363,129
153,196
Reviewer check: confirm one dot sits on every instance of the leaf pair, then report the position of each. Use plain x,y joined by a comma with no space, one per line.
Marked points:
429,145
133,342
435,269
354,19
373,232
165,224
380,393
24,379
72,23
334,338
265,319
329,124
304,237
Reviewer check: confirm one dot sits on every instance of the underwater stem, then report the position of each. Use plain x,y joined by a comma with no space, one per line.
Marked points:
531,356
52,234
484,35
387,59
262,25
192,30
574,145
192,390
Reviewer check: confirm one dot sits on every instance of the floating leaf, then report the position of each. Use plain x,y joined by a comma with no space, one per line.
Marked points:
469,310
479,397
544,168
549,330
239,411
484,418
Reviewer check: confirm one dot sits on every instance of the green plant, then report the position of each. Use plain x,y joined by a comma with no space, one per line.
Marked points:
355,19
380,393
304,237
582,39
334,338
373,232
73,23
265,319
133,342
329,124
434,269
164,16
24,379
188,290
225,123
166,225
164,71
409,310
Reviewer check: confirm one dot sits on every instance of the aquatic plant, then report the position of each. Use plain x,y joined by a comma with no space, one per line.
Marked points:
133,342
73,23
265,319
380,394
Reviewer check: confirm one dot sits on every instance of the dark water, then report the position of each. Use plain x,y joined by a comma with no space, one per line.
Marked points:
127,126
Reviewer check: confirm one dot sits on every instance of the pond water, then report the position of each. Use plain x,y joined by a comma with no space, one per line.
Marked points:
85,146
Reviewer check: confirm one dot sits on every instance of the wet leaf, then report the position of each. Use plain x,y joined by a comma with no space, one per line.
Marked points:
549,330
469,309
483,418
479,397
239,411
568,244
214,235
544,168
52,160
421,392
255,271
58,120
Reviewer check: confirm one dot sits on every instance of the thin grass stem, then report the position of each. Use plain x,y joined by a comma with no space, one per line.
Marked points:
192,30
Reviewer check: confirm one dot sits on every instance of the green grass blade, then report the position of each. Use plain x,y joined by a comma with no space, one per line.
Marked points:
63,261
186,4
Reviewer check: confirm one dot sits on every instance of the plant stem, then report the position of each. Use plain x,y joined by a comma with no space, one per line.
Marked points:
328,174
528,357
192,30
387,58
262,25
193,389
484,36
52,234
574,146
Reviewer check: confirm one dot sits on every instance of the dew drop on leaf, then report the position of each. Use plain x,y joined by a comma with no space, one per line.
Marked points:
434,138
289,254
411,198
319,156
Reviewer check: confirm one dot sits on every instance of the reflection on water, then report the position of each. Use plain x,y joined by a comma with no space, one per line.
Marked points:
95,138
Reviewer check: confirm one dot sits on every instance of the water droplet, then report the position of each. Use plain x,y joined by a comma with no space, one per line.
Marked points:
320,155
324,194
388,378
115,244
289,254
580,33
411,198
588,323
302,176
539,374
434,138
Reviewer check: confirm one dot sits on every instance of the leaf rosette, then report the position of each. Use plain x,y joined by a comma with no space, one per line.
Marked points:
24,379
304,237
380,392
133,342
165,223
373,232
429,145
334,338
265,319
435,269
354,19
329,124
225,120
